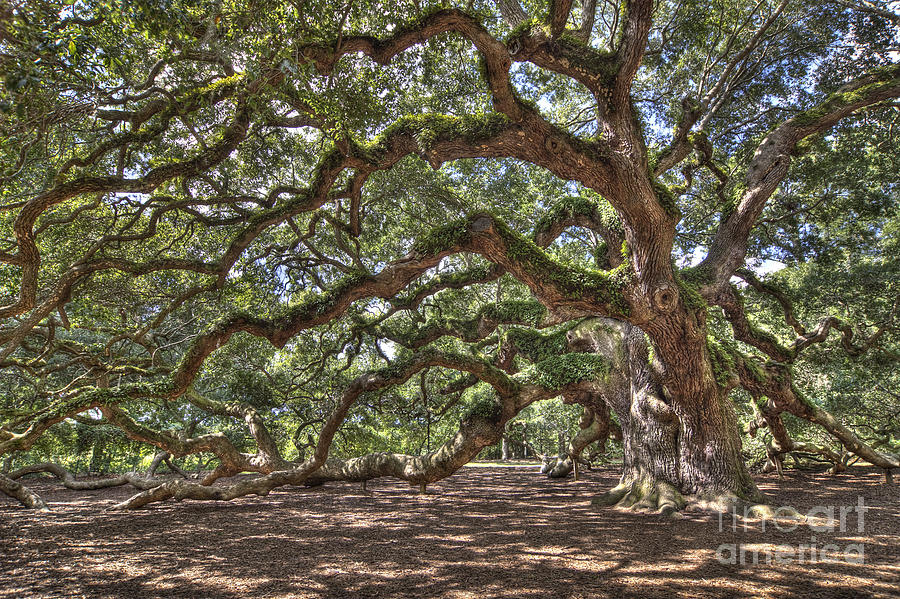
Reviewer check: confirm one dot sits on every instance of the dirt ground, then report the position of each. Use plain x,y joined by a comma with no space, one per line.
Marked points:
485,532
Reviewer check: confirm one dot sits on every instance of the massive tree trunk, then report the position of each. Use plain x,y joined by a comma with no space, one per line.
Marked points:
679,433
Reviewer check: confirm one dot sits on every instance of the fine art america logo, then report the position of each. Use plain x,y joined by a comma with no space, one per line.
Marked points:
819,519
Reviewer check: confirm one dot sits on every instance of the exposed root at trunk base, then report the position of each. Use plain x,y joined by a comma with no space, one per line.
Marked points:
644,495
664,498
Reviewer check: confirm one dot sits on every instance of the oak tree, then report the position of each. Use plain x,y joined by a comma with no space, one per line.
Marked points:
278,218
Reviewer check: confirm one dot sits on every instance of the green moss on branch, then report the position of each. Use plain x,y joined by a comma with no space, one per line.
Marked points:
559,371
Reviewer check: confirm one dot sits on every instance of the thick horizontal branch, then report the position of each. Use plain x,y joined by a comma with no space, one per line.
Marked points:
513,396
70,482
23,494
570,290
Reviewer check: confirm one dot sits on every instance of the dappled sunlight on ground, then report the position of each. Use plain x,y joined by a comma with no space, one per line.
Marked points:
485,532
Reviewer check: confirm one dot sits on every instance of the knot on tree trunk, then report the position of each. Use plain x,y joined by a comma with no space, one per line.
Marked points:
665,298
553,145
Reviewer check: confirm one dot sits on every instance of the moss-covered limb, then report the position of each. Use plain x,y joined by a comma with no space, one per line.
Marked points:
880,84
561,371
180,489
475,434
75,403
536,346
564,287
496,64
256,425
423,28
568,212
722,356
773,156
164,111
730,301
527,313
593,213
438,138
769,415
400,371
774,381
215,443
477,431
513,397
566,54
483,426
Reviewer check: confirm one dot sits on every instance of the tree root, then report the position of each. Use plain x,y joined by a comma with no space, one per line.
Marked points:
664,499
645,496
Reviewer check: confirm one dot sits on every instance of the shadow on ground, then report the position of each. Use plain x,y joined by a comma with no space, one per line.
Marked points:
485,532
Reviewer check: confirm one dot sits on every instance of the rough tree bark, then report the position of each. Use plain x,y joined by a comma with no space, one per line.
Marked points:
673,451
23,494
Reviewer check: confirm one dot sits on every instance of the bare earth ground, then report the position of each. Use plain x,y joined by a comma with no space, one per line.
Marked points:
485,532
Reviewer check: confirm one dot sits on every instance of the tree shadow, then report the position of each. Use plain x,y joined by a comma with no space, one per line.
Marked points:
485,532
